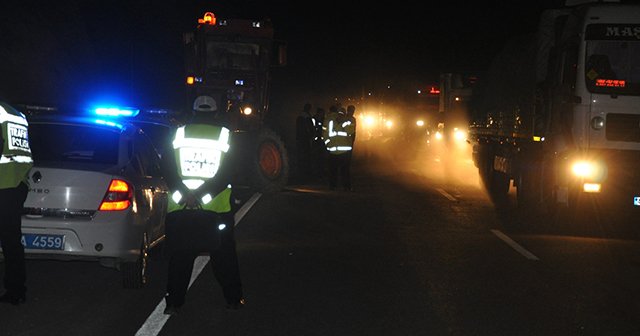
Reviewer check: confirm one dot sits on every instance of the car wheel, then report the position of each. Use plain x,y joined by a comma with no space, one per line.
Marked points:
134,273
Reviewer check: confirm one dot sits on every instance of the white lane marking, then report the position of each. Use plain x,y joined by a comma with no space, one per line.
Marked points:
515,245
157,319
446,194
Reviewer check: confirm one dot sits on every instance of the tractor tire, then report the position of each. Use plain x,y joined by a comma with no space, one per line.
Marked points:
268,162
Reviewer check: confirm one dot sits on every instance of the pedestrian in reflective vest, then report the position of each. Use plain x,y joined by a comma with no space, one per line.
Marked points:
15,163
198,168
338,133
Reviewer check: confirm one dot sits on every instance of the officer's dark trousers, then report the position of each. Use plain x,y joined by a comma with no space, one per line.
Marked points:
224,262
11,204
339,165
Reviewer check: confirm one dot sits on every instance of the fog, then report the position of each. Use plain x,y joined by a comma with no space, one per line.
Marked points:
435,162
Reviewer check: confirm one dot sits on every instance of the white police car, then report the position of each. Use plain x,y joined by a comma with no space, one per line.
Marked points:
96,192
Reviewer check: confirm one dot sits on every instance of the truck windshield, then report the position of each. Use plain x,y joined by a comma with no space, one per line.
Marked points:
613,67
237,56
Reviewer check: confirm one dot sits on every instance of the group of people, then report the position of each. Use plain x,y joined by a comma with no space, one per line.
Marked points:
325,142
203,141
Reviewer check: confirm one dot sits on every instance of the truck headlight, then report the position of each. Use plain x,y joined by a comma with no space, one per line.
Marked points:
588,170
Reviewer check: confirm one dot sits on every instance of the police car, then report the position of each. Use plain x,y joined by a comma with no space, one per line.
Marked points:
96,191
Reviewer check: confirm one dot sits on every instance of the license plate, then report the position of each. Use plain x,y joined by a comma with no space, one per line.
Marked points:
43,241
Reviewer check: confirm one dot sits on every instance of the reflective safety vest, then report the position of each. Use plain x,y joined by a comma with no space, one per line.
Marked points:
200,150
338,133
16,160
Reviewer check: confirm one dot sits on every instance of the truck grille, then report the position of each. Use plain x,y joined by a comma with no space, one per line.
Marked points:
623,127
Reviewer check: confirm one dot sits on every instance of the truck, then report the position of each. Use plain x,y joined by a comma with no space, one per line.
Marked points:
455,94
557,114
229,62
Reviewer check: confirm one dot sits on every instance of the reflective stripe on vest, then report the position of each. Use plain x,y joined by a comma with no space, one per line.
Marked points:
15,154
199,153
339,140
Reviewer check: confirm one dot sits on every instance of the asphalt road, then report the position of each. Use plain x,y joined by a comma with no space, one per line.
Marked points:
416,249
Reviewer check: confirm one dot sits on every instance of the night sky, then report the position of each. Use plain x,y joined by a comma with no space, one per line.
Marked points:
130,51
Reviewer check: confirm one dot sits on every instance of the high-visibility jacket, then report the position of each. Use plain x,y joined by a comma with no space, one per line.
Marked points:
338,132
200,150
15,160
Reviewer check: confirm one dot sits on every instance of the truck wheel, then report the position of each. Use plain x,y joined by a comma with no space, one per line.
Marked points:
134,273
269,166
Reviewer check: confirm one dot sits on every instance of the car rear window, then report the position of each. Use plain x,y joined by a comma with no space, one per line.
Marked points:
73,143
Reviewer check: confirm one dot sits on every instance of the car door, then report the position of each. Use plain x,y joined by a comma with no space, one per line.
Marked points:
153,184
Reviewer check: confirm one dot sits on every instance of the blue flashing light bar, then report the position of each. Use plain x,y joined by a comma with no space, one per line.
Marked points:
116,112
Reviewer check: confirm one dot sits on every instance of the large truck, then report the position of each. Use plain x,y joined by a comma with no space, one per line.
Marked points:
228,63
455,94
558,113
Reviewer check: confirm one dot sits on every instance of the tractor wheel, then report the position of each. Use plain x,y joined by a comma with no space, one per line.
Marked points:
269,162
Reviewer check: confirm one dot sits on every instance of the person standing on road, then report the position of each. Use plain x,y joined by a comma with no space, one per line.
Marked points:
351,110
15,163
319,151
199,171
337,135
304,141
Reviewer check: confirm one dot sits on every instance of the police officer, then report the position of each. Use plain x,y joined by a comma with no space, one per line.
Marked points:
15,163
199,172
338,133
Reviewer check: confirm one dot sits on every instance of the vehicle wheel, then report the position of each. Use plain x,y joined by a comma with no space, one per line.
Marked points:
269,162
134,273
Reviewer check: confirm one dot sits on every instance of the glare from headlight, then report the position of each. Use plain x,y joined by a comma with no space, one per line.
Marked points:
459,134
583,169
438,135
369,121
420,123
389,123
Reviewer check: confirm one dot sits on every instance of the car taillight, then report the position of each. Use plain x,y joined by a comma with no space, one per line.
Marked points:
118,197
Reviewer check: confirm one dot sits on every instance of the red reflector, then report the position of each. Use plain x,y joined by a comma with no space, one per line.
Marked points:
118,197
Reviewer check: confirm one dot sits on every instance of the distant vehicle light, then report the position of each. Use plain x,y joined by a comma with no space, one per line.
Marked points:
438,135
389,123
420,123
191,80
116,112
209,19
369,121
247,110
459,134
